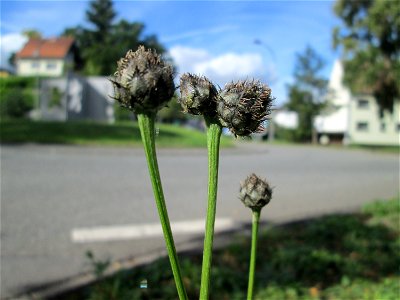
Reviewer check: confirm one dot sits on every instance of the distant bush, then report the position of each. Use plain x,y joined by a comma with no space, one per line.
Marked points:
122,114
17,96
172,113
285,134
16,103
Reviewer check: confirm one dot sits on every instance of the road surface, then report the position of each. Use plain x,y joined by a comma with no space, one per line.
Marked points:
57,202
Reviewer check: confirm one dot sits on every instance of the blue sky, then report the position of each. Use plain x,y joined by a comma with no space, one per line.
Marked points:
212,38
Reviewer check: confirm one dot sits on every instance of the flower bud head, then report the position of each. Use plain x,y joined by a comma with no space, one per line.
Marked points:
143,82
255,192
198,95
243,106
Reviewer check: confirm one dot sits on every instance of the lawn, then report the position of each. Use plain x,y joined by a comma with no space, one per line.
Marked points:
91,133
342,256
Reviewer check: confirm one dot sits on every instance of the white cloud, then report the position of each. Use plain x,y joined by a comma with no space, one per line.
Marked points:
221,68
201,32
11,42
185,57
231,65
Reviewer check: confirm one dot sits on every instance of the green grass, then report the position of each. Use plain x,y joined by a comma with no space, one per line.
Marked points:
375,148
354,256
91,133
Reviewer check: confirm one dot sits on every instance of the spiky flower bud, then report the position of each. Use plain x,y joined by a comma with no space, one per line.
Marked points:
243,106
198,95
255,192
143,82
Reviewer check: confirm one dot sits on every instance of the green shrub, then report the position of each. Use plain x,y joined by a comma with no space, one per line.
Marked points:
383,207
17,96
17,82
172,113
285,134
16,103
122,114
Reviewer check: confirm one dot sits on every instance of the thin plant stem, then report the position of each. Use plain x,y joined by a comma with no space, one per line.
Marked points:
146,125
253,253
214,131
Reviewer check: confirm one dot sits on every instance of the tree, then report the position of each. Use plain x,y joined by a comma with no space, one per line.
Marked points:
11,59
32,34
370,42
105,41
101,14
306,94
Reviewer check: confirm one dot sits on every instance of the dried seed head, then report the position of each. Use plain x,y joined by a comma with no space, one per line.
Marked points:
255,192
243,106
143,82
198,95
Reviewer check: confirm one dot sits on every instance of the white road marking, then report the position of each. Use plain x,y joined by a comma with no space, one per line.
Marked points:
130,232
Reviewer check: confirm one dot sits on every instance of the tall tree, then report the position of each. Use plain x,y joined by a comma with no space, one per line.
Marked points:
101,14
97,53
105,41
306,94
370,42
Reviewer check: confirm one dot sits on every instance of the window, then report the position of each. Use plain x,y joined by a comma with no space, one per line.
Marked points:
35,65
51,66
362,126
383,127
398,127
362,103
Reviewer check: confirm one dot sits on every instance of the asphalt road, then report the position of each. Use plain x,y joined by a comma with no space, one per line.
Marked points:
48,191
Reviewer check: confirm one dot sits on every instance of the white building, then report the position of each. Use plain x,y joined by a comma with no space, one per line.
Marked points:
286,119
368,128
355,119
45,57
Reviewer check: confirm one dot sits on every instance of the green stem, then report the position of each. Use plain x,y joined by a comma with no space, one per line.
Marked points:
146,125
214,131
253,254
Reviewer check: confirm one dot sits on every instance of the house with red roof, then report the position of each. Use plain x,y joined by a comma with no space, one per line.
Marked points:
45,57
